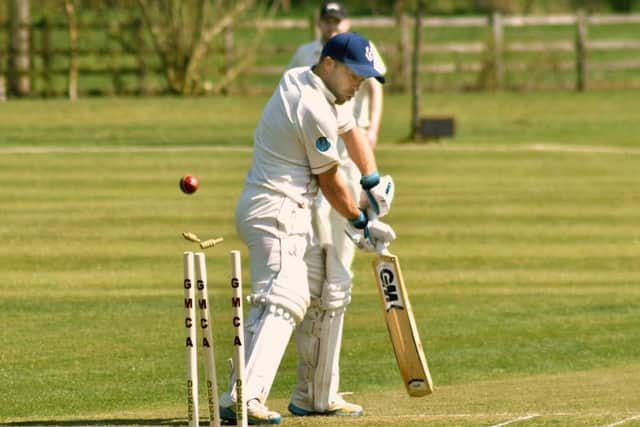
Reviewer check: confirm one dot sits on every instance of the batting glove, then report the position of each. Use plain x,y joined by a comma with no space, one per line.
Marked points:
377,194
370,236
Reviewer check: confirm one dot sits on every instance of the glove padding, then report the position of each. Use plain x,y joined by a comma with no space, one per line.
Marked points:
374,237
377,194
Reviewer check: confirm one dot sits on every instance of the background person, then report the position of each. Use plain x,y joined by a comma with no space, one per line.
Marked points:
319,337
368,103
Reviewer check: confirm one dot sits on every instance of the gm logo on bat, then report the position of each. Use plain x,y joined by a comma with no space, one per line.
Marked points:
390,289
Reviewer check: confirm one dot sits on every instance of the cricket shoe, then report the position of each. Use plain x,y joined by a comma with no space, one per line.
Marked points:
257,414
339,408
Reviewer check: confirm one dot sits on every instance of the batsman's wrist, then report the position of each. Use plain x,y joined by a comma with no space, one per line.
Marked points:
360,221
369,181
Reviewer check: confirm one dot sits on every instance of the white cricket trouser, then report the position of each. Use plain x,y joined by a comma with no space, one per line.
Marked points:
277,231
290,269
330,228
319,336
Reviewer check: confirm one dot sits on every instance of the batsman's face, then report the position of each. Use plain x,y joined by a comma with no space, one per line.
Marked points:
342,82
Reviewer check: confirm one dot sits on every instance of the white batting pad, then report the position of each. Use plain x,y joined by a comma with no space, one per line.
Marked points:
318,339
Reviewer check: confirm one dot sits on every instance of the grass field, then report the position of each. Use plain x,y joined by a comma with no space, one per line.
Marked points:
519,241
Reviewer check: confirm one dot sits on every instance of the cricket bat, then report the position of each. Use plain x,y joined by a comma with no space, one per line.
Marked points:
402,326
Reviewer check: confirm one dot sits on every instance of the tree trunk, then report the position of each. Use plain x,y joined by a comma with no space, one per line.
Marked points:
70,10
181,40
19,63
403,63
415,75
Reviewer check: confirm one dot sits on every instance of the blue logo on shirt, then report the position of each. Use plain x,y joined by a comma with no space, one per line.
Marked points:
323,144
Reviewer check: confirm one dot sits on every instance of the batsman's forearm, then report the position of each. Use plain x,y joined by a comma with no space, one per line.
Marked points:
337,193
360,151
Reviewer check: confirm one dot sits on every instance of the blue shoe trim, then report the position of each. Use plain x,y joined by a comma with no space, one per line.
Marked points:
255,421
347,414
228,415
298,411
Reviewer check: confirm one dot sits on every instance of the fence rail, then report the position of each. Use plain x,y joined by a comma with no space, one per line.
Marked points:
489,60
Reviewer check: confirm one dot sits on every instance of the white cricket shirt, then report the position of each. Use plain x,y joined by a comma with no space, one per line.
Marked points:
297,134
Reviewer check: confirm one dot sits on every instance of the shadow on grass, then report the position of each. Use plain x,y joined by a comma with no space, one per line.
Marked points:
97,422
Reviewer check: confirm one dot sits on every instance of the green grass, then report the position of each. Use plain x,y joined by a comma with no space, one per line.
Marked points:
522,264
597,118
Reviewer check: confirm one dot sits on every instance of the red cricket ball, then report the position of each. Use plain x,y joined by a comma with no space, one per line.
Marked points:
189,184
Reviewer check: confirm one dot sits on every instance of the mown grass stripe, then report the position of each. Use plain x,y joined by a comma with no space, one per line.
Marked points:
624,421
516,420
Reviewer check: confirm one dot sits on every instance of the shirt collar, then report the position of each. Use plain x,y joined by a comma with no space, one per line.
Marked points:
317,82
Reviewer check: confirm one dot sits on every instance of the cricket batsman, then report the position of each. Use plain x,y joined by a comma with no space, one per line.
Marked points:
323,329
295,154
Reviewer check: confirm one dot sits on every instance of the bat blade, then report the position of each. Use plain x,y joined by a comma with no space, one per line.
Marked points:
402,326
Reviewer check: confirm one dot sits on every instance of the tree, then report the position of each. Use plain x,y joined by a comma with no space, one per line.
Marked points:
182,32
622,5
19,63
72,25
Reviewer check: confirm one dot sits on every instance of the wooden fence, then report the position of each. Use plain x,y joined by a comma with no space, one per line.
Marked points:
122,53
485,54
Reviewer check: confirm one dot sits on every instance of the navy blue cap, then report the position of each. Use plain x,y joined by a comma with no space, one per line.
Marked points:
333,9
355,51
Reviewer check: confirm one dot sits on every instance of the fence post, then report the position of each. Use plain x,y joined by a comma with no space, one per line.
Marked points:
415,77
228,54
72,24
46,55
19,48
581,51
143,66
498,47
3,62
403,65
3,88
3,82
114,57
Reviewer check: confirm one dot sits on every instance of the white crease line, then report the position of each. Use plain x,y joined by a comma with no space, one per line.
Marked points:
551,148
506,148
140,149
515,420
619,423
583,149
